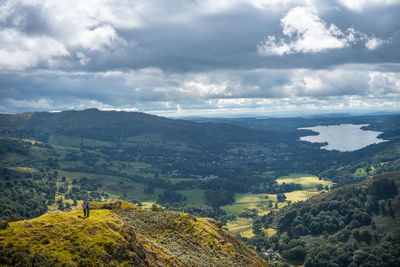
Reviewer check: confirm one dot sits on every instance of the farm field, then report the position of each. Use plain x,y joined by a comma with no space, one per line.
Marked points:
247,202
194,196
265,203
306,180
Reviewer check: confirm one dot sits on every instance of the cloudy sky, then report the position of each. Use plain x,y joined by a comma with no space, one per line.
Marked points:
194,57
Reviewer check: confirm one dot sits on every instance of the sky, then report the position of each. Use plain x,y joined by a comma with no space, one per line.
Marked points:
192,57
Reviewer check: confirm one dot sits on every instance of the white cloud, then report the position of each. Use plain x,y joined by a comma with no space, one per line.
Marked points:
384,83
345,86
213,7
374,43
33,32
359,5
19,51
308,33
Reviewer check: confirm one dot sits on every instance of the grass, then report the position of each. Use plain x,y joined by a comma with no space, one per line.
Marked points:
63,236
269,231
24,169
145,139
246,202
360,172
195,196
114,185
254,198
247,233
131,168
306,180
177,180
193,241
244,228
60,140
241,226
32,142
148,204
300,195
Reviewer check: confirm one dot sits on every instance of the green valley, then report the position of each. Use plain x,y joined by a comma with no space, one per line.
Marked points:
246,173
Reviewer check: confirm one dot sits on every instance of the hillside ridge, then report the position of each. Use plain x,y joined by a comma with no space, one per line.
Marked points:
121,125
122,234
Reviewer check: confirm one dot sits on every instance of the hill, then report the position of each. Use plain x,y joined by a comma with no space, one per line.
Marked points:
355,225
117,126
122,234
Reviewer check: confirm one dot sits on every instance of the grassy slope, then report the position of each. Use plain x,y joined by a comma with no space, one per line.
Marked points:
194,241
64,238
118,235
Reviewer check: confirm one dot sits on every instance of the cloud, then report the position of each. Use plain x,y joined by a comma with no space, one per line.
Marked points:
45,32
182,35
374,43
19,51
308,33
360,5
154,89
197,55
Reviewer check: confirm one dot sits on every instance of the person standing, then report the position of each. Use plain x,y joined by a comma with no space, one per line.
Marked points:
87,209
84,209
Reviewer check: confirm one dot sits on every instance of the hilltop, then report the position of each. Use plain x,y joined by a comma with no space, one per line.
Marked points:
122,234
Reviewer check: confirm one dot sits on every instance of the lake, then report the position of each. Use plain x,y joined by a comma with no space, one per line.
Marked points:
343,137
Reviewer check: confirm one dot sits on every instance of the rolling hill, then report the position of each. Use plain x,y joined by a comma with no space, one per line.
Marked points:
117,126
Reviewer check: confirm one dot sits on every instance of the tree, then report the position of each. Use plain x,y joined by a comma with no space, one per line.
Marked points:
296,254
356,235
60,204
148,189
170,197
280,197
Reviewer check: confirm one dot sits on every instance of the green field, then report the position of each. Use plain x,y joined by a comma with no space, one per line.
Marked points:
193,196
177,180
306,180
246,202
60,140
241,226
244,228
300,195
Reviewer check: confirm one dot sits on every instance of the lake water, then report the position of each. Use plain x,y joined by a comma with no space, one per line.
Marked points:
343,137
